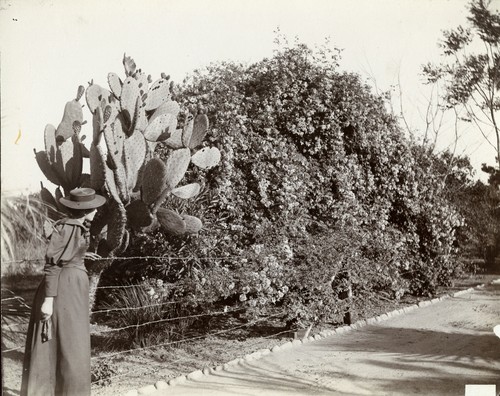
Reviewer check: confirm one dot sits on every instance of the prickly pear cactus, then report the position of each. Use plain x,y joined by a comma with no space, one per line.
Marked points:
62,160
128,121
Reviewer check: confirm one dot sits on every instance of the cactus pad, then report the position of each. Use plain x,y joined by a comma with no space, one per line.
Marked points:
106,114
115,138
129,95
187,191
134,153
72,112
69,164
187,131
169,107
129,65
79,93
140,121
95,94
110,183
158,94
97,125
97,167
206,158
47,168
115,84
161,128
58,195
142,83
50,142
51,204
177,164
193,224
171,221
175,140
200,129
85,151
77,127
154,180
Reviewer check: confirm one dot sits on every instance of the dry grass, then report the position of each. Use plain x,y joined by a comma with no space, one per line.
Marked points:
22,239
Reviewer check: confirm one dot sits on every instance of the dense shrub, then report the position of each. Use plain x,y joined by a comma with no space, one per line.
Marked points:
316,180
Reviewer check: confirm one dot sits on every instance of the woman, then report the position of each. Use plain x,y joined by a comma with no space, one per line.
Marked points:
57,356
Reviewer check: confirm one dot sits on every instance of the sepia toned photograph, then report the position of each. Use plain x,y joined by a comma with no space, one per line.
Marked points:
249,197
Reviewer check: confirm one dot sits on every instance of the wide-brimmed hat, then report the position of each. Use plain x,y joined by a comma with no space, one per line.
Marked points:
82,198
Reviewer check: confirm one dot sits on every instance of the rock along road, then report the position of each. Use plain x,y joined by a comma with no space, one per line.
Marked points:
430,350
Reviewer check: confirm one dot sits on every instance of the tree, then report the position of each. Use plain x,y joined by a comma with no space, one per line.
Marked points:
472,80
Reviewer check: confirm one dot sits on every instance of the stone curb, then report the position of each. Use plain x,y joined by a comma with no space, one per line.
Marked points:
162,385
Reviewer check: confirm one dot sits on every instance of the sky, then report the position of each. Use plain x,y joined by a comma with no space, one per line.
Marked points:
50,47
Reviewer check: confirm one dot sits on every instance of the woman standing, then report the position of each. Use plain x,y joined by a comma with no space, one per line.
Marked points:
57,355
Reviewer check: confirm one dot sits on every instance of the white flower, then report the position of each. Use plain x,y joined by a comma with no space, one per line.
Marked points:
257,248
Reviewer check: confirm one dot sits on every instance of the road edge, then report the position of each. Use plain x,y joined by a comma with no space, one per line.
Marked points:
197,374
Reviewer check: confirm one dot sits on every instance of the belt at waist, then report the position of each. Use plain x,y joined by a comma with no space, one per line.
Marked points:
76,266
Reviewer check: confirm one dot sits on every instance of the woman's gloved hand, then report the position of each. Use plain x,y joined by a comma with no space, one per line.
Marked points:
47,308
92,256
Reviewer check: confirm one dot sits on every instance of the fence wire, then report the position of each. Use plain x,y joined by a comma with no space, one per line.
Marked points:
166,364
136,326
166,258
147,306
250,323
169,287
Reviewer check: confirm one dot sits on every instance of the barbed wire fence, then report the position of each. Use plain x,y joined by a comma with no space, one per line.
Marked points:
135,327
107,356
178,342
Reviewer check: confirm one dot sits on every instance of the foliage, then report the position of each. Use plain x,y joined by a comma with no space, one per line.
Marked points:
22,227
474,200
14,312
316,180
317,190
144,311
472,79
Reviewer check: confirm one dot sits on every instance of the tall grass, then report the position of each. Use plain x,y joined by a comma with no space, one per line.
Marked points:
141,305
22,252
22,241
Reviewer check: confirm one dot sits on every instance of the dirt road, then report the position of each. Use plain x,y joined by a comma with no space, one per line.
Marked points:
432,350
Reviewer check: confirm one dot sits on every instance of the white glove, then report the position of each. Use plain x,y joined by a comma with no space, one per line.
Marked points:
47,308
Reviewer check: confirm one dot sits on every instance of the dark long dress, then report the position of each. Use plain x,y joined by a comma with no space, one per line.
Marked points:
61,365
